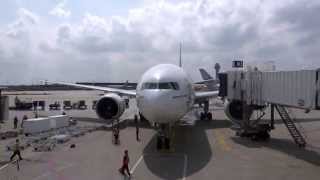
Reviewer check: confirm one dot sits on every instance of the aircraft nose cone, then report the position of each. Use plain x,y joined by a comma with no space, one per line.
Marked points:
158,107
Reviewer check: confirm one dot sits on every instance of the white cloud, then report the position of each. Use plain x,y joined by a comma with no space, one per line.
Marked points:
124,47
26,21
60,10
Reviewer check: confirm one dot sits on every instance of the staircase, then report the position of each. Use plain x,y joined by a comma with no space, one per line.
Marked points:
293,130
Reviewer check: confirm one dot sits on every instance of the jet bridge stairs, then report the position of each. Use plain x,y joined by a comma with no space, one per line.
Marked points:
292,128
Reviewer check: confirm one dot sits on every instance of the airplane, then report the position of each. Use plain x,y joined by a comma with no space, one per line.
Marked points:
212,84
163,95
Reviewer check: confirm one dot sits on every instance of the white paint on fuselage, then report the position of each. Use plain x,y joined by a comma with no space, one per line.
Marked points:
165,105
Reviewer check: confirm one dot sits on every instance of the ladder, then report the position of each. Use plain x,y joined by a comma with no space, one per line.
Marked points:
293,130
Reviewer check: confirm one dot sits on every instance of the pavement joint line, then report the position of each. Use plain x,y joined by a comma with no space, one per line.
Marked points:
7,164
136,164
4,166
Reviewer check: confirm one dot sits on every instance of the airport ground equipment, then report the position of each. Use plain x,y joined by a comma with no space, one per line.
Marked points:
22,105
37,125
44,145
55,106
94,105
8,134
67,105
80,105
250,91
60,138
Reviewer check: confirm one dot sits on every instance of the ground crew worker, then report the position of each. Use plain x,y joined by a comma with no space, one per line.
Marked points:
137,127
25,117
15,122
16,150
116,135
125,164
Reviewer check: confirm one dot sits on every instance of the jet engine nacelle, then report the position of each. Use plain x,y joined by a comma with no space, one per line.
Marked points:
234,111
110,106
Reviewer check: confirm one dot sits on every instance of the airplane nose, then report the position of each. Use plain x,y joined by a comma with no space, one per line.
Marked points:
158,107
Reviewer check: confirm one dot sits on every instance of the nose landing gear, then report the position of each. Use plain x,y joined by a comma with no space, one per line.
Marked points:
163,137
206,115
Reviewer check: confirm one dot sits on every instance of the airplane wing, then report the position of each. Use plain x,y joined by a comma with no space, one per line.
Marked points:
107,89
206,94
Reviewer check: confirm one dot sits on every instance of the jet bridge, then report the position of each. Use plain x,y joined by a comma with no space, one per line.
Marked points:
247,91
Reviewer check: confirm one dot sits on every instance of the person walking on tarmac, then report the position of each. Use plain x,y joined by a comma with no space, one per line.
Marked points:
137,127
25,117
125,164
15,122
116,135
16,150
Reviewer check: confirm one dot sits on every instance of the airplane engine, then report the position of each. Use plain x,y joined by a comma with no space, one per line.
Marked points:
110,106
234,111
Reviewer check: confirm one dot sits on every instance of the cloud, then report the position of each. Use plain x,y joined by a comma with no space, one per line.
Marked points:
26,20
60,10
116,48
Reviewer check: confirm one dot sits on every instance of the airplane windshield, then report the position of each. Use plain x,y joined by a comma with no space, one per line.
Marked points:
161,85
150,86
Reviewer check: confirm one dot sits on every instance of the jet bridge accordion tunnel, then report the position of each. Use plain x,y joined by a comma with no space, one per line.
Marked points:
299,89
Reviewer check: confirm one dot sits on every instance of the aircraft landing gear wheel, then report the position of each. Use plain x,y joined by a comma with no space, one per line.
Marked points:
265,136
167,143
202,115
142,118
254,137
159,143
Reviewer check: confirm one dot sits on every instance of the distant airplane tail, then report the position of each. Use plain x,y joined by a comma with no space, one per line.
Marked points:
211,83
204,74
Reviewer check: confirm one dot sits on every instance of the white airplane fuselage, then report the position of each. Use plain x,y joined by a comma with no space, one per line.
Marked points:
165,94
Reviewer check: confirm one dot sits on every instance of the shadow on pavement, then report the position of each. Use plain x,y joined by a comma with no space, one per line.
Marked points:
188,140
285,146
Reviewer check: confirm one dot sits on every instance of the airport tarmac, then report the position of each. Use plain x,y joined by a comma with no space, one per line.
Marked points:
206,150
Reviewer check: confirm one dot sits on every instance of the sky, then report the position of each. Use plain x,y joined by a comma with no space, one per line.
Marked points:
118,40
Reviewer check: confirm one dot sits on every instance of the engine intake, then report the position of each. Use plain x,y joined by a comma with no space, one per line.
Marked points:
110,106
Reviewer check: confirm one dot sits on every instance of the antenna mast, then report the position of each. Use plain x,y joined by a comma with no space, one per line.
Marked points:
180,62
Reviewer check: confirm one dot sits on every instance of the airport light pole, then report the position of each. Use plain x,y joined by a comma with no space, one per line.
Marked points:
217,68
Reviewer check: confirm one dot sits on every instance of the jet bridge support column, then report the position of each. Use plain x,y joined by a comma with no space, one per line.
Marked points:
272,116
1,119
2,104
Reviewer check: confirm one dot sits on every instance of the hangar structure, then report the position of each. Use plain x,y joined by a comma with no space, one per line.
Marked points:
249,91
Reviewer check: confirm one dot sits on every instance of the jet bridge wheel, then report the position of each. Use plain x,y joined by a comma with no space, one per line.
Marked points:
205,116
142,118
159,143
163,143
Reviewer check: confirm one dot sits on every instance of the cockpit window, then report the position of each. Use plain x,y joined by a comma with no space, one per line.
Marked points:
165,85
150,86
175,85
161,85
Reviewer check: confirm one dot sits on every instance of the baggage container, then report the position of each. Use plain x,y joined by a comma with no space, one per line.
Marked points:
38,125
